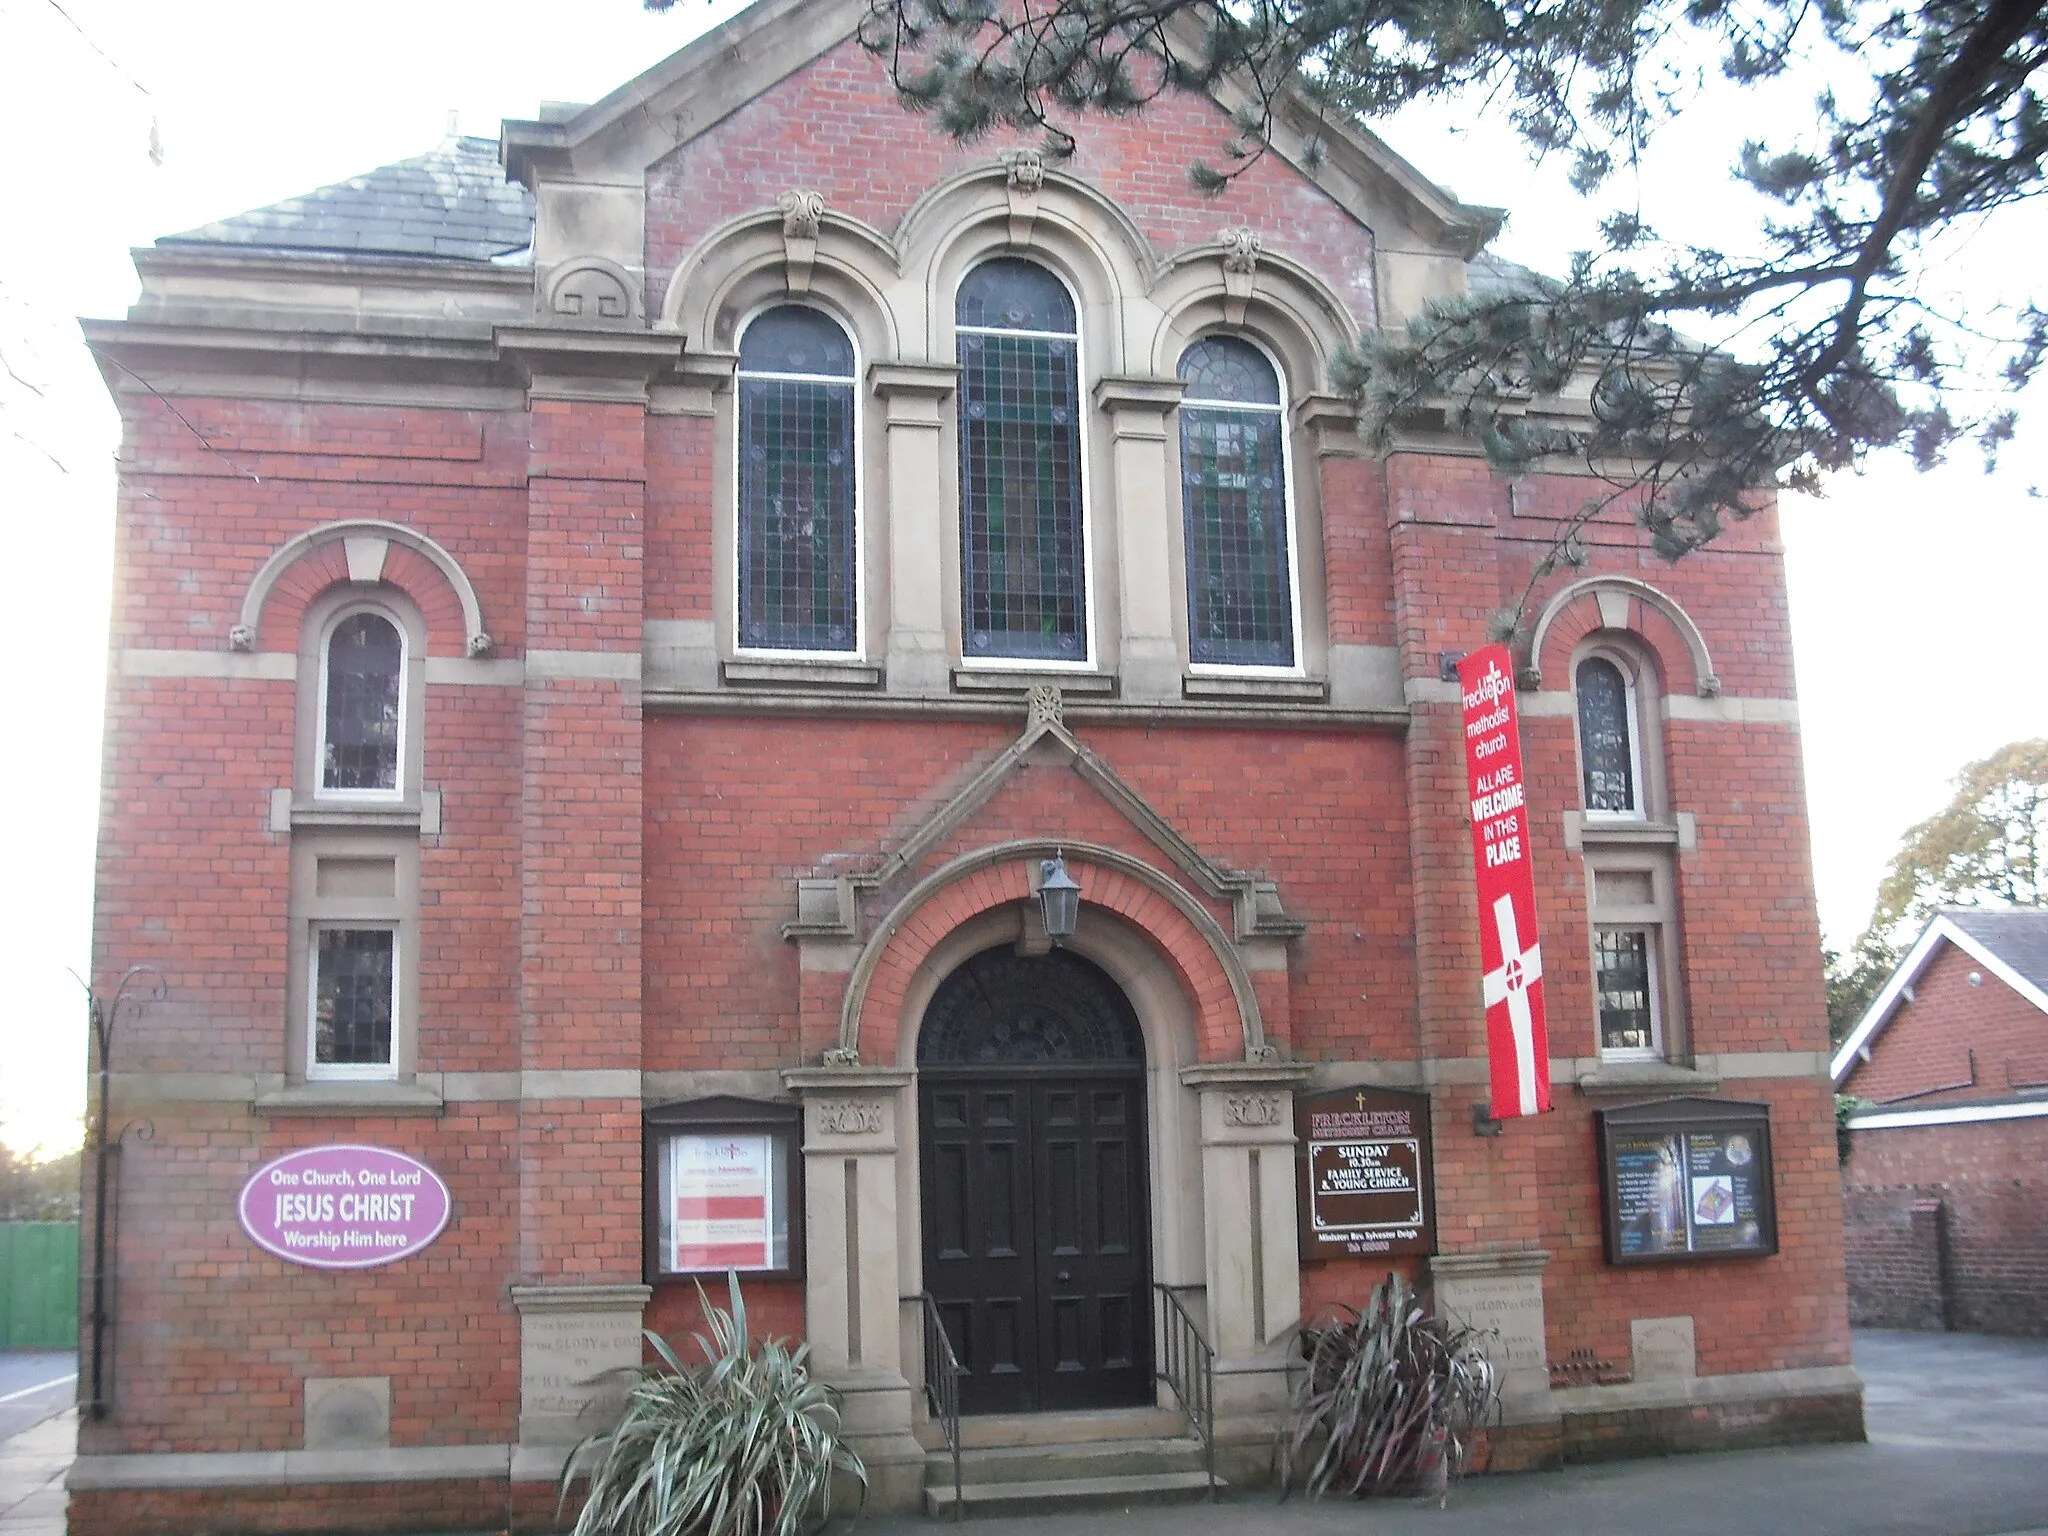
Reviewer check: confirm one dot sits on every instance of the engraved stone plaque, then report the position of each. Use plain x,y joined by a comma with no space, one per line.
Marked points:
1662,1348
1501,1294
577,1350
347,1412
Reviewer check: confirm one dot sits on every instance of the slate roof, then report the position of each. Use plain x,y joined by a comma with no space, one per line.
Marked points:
452,203
2018,937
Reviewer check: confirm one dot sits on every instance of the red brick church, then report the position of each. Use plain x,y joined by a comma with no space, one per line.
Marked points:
621,636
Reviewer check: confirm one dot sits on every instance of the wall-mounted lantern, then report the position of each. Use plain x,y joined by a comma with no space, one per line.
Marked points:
1059,898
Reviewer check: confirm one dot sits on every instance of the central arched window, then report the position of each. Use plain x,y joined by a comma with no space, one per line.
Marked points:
797,553
1023,554
362,706
1233,477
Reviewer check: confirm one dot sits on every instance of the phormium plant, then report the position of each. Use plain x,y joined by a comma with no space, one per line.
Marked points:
1391,1400
744,1443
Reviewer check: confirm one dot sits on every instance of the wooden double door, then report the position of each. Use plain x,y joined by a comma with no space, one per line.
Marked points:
1035,1232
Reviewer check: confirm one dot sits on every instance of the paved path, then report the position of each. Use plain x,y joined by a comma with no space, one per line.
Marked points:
1958,1447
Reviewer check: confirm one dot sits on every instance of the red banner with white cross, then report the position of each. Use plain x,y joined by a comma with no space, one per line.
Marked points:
1511,960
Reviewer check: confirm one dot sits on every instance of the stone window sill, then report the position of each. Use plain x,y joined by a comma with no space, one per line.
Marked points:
354,1098
290,814
995,680
1295,690
1611,1079
750,673
1582,831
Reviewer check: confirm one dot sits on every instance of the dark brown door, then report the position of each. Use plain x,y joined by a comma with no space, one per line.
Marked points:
1031,1129
1035,1227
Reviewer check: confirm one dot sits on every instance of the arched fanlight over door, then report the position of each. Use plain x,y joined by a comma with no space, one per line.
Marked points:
1001,1007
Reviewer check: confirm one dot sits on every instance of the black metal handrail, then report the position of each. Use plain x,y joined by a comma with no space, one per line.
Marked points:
942,1373
1187,1364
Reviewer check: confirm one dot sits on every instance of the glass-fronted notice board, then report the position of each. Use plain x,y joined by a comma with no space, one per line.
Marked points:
1687,1179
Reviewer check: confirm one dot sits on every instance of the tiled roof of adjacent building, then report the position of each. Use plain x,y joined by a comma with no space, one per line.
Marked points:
451,203
2018,937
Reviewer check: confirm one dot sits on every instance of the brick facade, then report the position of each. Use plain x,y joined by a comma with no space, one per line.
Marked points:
604,886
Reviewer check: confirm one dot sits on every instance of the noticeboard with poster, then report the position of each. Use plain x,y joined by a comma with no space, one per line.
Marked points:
1685,1179
1364,1164
723,1189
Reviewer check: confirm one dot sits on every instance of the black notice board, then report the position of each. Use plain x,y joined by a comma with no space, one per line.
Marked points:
1364,1166
1686,1179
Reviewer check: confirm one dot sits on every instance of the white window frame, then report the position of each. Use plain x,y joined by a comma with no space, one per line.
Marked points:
1626,666
859,652
334,622
328,1071
1083,433
1239,669
1653,982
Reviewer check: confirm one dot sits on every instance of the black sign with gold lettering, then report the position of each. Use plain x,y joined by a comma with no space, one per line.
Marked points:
1365,1173
1687,1179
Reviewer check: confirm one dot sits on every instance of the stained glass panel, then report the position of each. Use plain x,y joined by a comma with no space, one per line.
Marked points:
364,662
792,339
1023,560
1234,502
796,544
1012,295
1224,368
352,992
1606,739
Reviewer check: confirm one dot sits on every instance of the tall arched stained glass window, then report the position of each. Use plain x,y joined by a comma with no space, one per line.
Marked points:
1233,479
1023,557
1607,739
796,484
362,705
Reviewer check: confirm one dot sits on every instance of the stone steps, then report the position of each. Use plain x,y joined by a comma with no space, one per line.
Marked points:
1103,1471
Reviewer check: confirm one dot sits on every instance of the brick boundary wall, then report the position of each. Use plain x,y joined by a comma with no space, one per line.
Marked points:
1966,1201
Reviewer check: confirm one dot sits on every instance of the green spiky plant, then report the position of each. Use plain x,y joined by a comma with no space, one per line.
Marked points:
1390,1403
744,1444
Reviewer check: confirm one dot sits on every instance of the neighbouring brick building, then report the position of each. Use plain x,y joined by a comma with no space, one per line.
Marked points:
1946,1183
613,627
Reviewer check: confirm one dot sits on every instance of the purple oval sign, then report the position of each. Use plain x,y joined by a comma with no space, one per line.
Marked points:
344,1207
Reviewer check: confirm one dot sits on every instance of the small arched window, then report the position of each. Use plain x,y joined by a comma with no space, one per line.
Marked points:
362,705
1610,739
1233,479
797,485
1023,549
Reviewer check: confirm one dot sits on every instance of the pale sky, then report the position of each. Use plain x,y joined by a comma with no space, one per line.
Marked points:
1913,597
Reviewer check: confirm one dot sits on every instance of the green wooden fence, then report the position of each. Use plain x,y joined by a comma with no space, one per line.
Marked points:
38,1285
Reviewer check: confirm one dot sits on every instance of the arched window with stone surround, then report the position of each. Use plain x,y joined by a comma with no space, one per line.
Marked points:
362,705
1233,473
798,485
1023,541
1610,739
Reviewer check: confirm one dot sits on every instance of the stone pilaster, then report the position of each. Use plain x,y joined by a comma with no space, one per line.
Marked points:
854,1317
1253,1255
1142,446
915,399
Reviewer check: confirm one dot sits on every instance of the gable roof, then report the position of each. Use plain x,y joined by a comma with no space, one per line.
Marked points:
2012,945
452,203
733,63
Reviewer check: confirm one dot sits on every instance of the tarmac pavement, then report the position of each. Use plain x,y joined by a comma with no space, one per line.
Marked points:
38,1430
1958,1446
